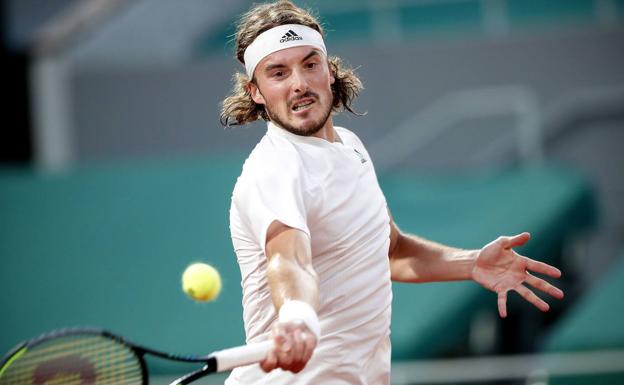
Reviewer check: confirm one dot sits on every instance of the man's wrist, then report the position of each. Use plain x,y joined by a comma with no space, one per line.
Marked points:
472,256
301,311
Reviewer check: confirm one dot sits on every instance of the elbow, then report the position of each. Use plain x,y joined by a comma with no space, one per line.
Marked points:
396,249
404,265
403,271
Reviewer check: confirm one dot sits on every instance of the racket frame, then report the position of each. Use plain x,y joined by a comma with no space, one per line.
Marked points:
139,352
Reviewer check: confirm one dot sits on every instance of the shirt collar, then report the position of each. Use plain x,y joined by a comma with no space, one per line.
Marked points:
279,131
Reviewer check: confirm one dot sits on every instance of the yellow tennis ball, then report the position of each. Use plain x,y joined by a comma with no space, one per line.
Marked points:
201,282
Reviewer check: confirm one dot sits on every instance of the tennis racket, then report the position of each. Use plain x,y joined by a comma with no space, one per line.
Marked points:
98,357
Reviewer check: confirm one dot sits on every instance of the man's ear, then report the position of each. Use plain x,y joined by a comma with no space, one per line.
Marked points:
332,75
254,91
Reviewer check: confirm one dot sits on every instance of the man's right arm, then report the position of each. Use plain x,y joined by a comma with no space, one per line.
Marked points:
294,286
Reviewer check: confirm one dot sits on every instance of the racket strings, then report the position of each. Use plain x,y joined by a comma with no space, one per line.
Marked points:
75,360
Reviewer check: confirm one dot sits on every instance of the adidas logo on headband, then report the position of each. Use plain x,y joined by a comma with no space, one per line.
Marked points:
290,36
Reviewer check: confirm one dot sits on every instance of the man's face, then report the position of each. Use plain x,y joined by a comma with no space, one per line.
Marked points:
294,85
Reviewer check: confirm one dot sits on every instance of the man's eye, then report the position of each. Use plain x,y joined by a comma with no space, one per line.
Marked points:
312,65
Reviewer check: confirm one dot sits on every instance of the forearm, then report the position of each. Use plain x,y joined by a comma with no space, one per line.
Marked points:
289,272
416,259
294,288
288,280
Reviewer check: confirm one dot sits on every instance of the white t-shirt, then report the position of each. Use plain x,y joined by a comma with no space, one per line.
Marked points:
329,191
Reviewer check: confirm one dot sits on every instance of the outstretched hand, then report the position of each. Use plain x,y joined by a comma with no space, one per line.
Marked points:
500,269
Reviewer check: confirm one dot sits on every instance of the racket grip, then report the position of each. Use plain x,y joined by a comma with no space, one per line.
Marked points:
231,358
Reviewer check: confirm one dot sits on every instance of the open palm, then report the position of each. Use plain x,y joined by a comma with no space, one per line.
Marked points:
500,269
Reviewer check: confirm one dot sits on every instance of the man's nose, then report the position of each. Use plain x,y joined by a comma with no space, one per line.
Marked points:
299,82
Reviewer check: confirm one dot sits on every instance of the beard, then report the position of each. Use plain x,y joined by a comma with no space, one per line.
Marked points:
304,130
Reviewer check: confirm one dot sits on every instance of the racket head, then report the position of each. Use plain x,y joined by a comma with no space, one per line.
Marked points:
74,357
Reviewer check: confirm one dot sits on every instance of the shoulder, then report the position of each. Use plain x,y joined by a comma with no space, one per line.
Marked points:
271,155
349,137
272,162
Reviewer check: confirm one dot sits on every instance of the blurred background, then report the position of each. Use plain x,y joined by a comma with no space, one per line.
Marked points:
484,117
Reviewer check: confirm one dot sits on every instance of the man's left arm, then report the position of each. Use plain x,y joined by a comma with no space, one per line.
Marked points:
496,266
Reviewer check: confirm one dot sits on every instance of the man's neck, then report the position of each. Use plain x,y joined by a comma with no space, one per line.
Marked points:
328,132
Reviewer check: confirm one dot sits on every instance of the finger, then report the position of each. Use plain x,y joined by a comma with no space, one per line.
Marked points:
296,367
516,240
284,352
298,346
284,359
280,341
544,286
532,298
298,352
270,362
310,344
502,304
282,346
543,268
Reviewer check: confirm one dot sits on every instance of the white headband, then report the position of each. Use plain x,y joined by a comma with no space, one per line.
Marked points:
279,38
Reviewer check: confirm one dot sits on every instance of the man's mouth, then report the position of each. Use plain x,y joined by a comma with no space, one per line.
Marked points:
302,105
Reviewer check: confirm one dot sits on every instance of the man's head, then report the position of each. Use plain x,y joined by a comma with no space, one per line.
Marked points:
296,87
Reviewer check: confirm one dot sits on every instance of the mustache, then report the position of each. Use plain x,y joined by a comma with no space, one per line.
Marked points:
308,94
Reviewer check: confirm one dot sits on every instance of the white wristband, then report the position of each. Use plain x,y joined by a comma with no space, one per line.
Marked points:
298,310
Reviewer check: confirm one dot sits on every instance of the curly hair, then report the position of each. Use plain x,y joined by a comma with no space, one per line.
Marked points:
239,108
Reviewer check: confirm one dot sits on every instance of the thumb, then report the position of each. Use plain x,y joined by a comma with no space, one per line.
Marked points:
516,240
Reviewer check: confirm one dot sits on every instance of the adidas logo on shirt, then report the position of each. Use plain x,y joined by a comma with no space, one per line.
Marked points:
290,36
362,159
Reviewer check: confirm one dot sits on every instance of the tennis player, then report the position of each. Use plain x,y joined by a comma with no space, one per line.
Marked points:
315,241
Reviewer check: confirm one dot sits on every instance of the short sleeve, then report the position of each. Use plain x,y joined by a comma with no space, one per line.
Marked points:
264,197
